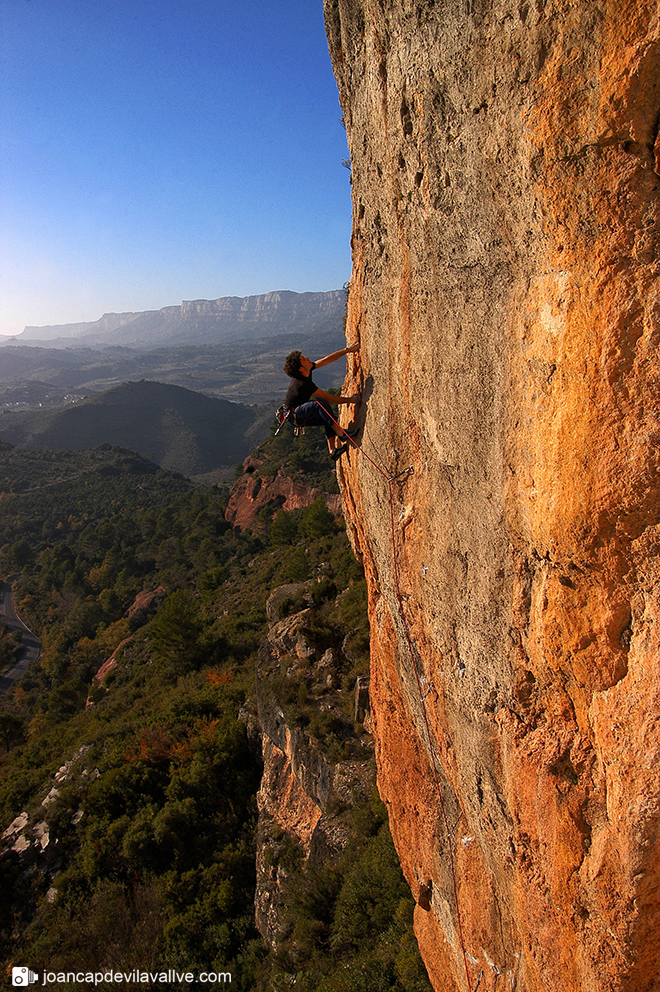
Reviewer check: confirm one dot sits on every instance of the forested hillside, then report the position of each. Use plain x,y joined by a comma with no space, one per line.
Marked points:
127,779
178,428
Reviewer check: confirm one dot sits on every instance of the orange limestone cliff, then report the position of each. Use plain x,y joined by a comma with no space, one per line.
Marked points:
505,178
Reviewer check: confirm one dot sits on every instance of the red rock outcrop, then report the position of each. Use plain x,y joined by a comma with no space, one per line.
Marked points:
505,295
306,797
254,491
146,600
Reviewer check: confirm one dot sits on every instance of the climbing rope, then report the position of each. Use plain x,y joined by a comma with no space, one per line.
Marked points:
422,696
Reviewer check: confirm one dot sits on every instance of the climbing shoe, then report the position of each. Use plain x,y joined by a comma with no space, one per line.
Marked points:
338,452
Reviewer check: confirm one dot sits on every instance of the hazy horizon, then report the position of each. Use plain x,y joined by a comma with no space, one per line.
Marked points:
166,306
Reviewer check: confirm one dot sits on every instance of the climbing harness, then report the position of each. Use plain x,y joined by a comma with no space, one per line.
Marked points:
422,695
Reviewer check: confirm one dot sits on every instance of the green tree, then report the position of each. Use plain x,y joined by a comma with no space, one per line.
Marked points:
12,729
10,646
283,529
176,631
20,555
317,521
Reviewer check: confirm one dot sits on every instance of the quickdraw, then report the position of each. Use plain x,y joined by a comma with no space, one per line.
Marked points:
282,414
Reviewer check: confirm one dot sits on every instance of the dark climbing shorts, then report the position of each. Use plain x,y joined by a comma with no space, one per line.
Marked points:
315,413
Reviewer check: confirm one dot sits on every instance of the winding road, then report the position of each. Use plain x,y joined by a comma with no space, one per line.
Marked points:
31,647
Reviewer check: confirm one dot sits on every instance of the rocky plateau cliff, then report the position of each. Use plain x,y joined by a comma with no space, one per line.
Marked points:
197,322
505,178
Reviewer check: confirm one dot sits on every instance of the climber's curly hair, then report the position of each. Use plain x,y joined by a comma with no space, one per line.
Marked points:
292,365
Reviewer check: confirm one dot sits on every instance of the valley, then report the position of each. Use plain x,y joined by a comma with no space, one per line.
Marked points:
143,755
241,371
197,409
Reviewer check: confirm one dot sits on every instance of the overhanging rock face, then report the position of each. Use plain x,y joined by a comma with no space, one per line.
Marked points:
505,161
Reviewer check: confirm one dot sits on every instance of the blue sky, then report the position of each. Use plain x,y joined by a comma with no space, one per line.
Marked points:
159,150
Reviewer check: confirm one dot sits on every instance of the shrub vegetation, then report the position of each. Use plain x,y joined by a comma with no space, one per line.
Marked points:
150,859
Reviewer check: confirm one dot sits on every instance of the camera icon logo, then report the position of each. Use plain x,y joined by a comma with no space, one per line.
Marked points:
23,976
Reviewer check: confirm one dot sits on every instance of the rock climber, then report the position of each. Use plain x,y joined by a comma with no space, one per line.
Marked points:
307,405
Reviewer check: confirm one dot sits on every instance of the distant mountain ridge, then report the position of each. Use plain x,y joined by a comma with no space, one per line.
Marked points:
201,322
177,428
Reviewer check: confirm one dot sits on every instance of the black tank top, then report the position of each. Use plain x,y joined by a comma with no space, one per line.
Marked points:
300,391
